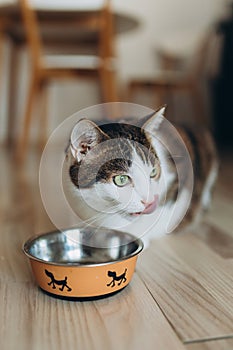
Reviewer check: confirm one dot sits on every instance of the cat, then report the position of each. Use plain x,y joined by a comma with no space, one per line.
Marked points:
123,175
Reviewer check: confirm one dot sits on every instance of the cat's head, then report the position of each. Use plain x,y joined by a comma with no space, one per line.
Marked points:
117,166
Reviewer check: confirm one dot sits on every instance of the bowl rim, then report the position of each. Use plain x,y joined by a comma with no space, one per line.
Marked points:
27,244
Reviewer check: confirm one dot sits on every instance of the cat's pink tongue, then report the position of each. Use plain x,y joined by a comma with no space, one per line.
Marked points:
152,206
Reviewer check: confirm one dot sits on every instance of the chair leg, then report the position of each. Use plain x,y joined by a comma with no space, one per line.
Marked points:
43,110
112,95
12,94
23,142
108,85
12,86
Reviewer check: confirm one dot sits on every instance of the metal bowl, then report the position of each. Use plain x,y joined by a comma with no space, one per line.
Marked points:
83,263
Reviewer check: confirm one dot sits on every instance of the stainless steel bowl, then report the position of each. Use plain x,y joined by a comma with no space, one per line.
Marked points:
83,262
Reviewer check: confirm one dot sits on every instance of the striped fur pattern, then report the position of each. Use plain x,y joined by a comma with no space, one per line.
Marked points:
98,155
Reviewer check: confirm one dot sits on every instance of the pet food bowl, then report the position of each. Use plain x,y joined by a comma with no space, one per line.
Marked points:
83,263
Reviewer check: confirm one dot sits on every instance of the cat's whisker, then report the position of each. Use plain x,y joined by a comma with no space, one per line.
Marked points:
131,152
100,215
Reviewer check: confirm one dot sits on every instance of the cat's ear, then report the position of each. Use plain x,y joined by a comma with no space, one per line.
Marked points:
84,136
154,121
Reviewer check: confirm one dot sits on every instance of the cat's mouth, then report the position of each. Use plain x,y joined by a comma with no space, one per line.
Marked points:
149,208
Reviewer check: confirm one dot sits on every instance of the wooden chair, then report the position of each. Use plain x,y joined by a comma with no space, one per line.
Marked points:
46,68
4,25
167,82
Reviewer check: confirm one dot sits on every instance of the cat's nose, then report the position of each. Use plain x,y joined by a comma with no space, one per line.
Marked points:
147,203
150,206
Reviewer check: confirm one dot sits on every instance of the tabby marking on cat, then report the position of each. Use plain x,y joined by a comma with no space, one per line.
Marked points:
120,175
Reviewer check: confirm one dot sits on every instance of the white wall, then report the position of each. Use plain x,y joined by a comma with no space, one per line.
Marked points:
175,24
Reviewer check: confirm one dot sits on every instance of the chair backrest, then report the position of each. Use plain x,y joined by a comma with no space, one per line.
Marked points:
106,33
99,21
31,26
200,56
206,57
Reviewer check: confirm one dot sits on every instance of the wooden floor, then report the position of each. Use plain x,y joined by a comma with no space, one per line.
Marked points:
181,296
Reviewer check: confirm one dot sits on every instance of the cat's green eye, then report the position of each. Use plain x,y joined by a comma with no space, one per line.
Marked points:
153,173
121,180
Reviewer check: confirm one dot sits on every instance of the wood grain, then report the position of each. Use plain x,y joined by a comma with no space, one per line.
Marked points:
181,292
223,344
177,281
217,239
33,320
221,213
208,268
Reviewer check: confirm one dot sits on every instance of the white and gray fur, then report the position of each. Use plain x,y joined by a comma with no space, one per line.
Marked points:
96,153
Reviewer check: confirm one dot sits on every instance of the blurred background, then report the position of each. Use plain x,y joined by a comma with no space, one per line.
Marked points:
58,57
176,52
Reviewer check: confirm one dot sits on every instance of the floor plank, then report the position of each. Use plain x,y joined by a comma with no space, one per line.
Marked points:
182,290
207,266
33,320
223,344
216,239
177,281
221,213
